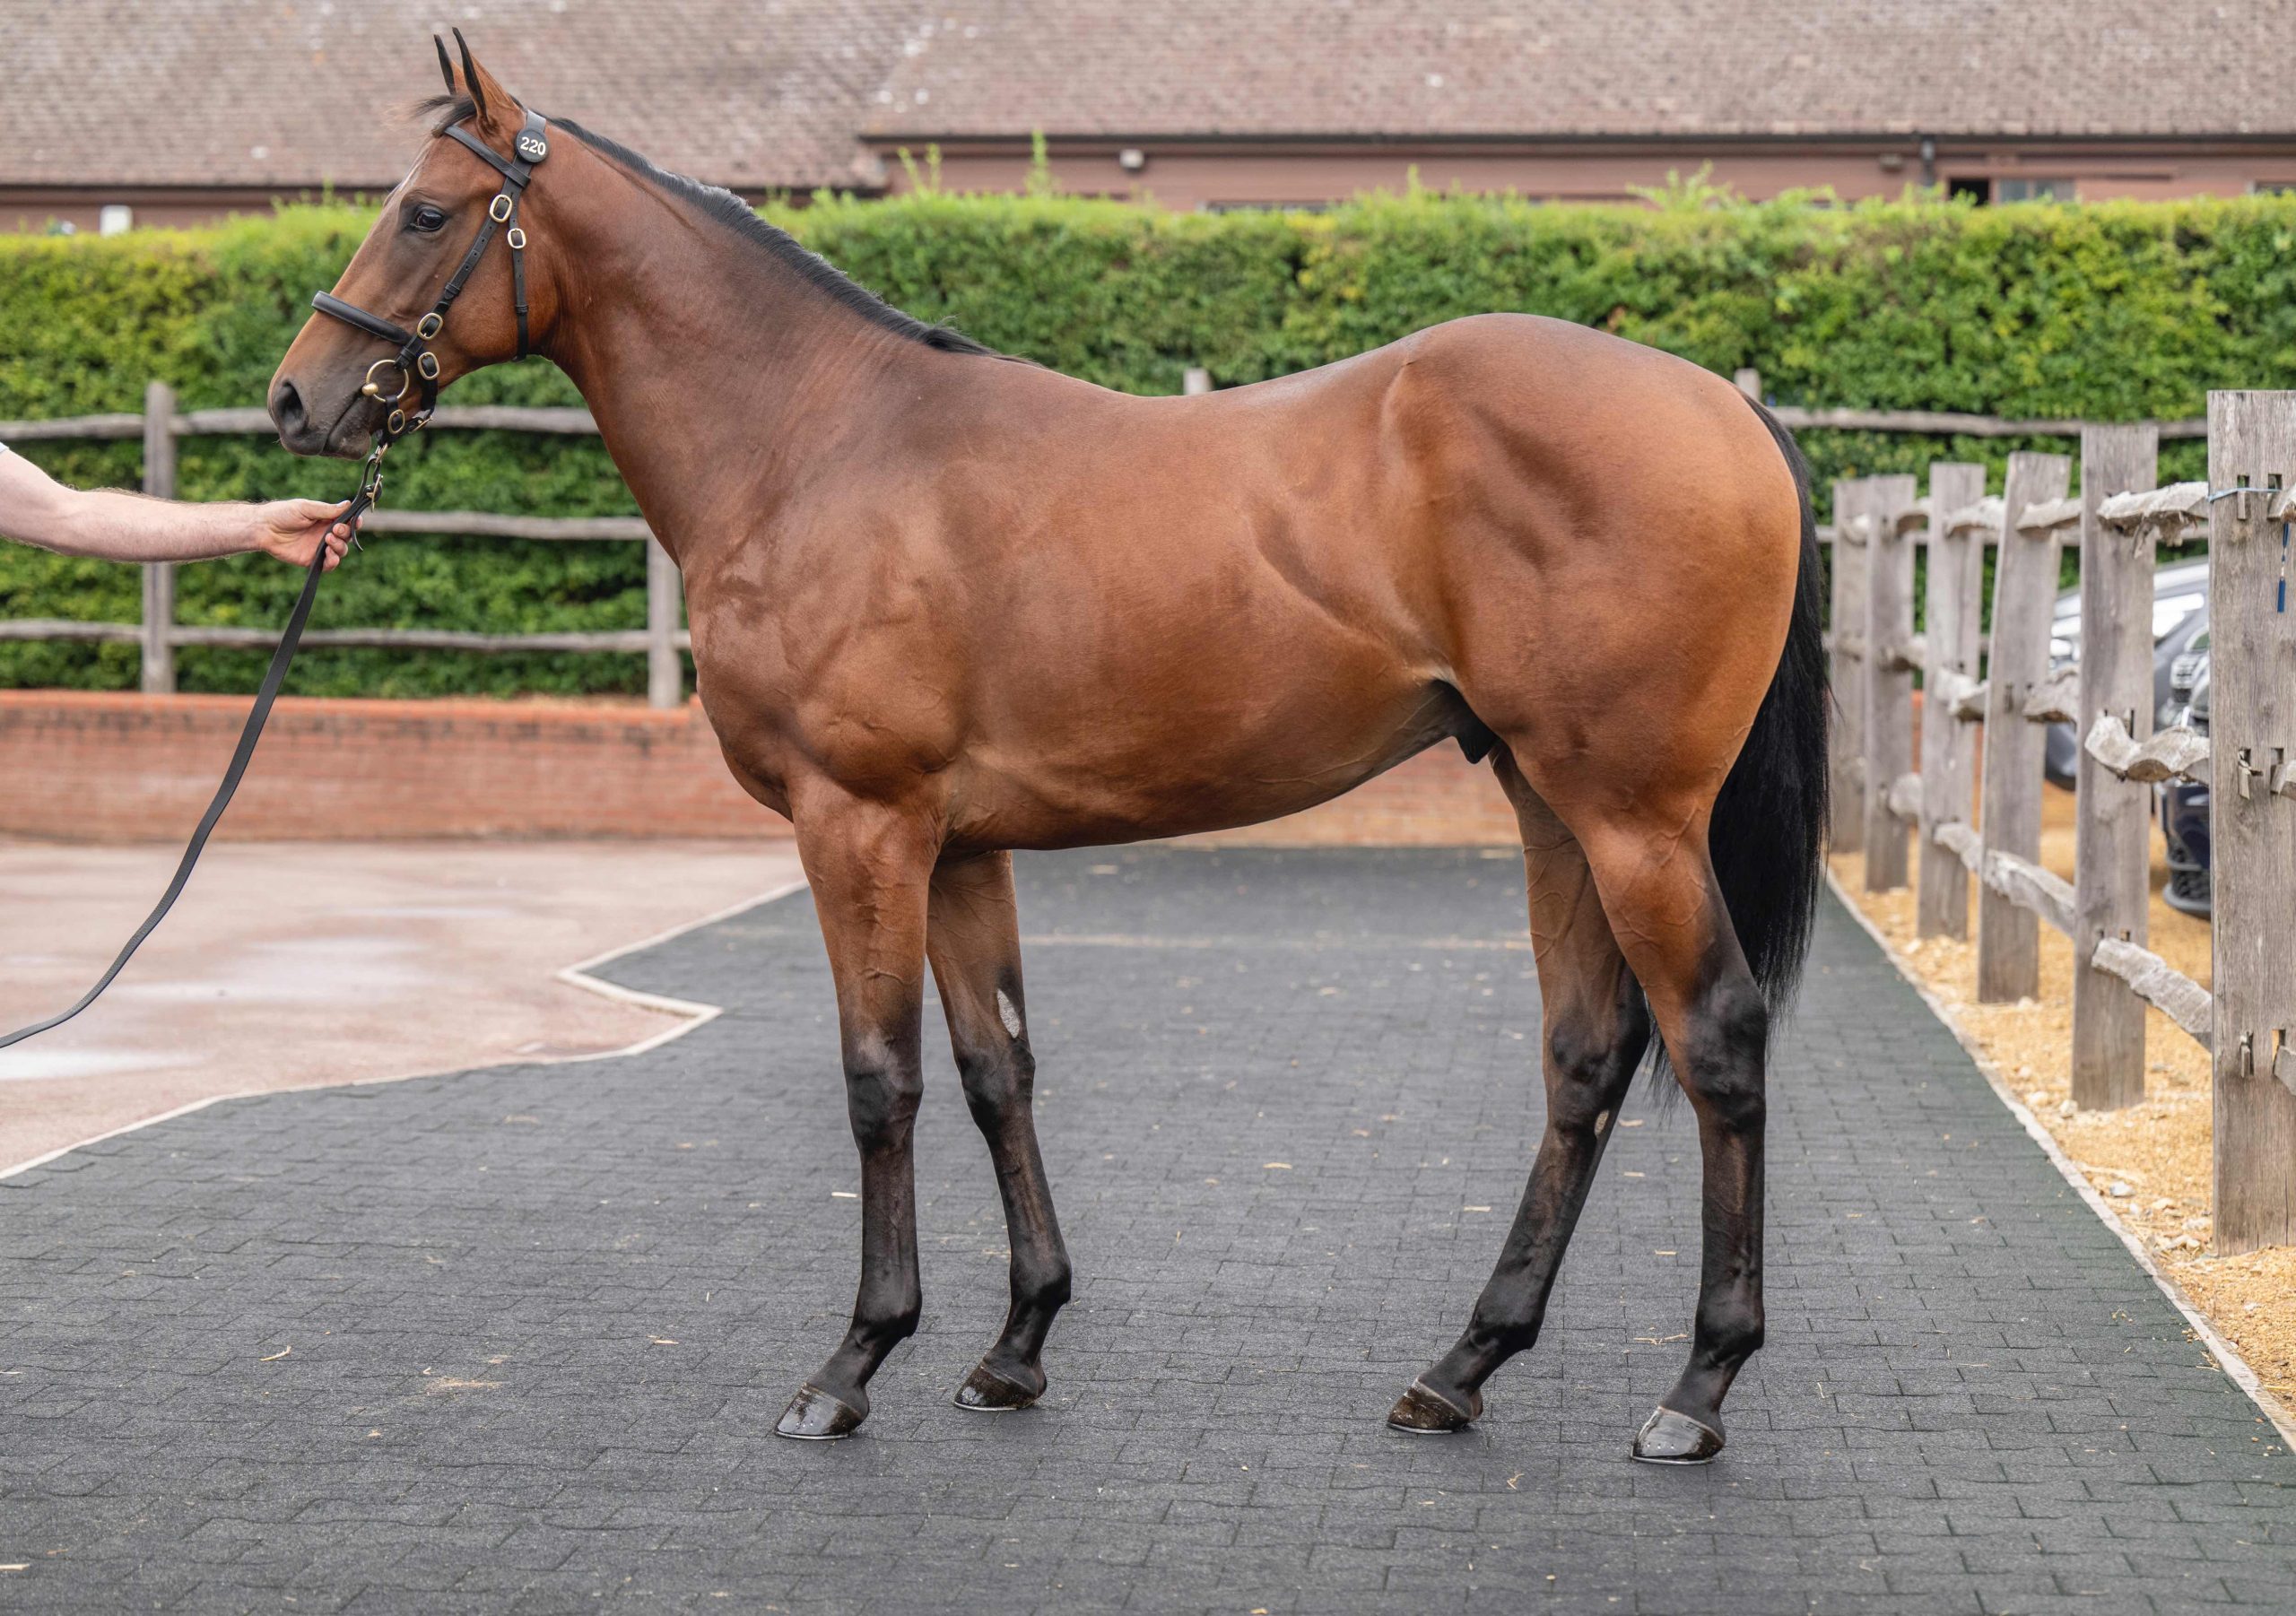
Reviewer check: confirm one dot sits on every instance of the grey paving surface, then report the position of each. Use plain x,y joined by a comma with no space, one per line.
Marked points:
516,1340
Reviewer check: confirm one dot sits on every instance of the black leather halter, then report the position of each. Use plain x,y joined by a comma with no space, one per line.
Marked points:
416,367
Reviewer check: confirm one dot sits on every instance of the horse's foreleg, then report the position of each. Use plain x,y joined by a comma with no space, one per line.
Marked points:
869,867
1670,918
1595,1033
973,940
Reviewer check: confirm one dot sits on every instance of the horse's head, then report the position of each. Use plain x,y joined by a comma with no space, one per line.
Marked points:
346,376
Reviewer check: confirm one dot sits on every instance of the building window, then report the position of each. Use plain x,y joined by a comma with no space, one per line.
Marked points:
115,218
2272,188
2032,190
1974,188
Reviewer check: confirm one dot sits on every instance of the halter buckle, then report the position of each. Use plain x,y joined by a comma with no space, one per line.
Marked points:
429,325
500,208
517,238
398,422
369,389
427,363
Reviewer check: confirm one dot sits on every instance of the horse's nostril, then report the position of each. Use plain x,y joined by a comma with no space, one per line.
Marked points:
287,407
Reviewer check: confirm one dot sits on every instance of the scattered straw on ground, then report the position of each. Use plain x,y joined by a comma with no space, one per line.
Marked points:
2150,1162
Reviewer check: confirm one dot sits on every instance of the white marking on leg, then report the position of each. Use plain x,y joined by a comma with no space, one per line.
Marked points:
1008,1013
1602,1122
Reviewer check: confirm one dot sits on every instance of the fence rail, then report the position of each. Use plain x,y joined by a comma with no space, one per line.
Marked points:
2244,512
162,425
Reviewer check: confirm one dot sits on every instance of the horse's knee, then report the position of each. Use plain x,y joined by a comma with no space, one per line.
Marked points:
999,1078
882,1092
1728,1044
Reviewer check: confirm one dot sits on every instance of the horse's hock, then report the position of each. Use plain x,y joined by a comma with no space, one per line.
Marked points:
87,766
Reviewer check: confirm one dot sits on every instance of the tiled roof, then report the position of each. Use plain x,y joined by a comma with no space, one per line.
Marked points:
758,93
300,92
1582,68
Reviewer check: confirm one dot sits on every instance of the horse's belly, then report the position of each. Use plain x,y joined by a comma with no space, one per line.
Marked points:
1134,775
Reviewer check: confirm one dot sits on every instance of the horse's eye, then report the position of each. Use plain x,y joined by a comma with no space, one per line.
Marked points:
427,219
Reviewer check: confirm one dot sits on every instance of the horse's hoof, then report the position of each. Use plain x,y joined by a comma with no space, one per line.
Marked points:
986,1392
814,1416
1424,1412
1667,1438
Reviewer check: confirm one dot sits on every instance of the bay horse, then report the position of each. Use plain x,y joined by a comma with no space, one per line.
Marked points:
945,604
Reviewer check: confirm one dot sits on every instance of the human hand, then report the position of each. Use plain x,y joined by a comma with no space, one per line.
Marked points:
294,529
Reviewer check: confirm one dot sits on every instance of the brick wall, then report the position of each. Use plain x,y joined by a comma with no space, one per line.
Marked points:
128,767
100,767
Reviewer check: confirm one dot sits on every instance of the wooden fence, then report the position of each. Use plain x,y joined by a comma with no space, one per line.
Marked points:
159,634
1883,802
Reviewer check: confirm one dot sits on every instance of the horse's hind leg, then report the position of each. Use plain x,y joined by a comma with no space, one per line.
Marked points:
972,937
1595,1033
1668,914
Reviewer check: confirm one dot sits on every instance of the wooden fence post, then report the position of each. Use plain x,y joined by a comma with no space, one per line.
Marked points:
2024,595
159,577
1846,753
1954,599
1195,381
2252,810
1889,678
2112,853
664,598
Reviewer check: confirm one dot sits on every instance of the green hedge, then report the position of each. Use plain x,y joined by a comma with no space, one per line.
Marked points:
2107,311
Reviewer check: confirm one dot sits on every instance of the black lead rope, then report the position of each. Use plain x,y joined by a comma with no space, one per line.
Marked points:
370,484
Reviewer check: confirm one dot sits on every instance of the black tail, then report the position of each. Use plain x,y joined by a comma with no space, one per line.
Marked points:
1768,838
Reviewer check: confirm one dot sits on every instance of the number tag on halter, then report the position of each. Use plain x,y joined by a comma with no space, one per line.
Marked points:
531,146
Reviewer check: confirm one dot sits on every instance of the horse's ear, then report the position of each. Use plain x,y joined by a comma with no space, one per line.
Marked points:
446,66
497,108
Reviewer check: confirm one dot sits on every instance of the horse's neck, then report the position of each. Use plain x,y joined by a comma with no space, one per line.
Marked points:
710,368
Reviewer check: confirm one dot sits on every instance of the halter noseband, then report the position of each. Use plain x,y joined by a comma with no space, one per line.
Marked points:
416,366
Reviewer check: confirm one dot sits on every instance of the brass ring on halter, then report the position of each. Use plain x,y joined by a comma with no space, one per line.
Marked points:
376,392
428,325
427,362
500,208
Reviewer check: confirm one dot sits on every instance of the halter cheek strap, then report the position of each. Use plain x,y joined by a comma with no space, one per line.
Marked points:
414,364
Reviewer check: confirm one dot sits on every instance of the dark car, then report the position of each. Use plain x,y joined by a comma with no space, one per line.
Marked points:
2184,803
2179,613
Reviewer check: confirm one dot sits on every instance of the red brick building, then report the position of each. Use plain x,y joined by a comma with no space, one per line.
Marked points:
176,110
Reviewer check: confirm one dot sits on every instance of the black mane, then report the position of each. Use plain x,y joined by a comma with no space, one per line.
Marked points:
726,208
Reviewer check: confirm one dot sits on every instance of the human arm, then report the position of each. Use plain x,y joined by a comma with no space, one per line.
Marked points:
104,523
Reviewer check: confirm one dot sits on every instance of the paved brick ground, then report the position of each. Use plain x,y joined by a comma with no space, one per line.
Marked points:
516,1339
